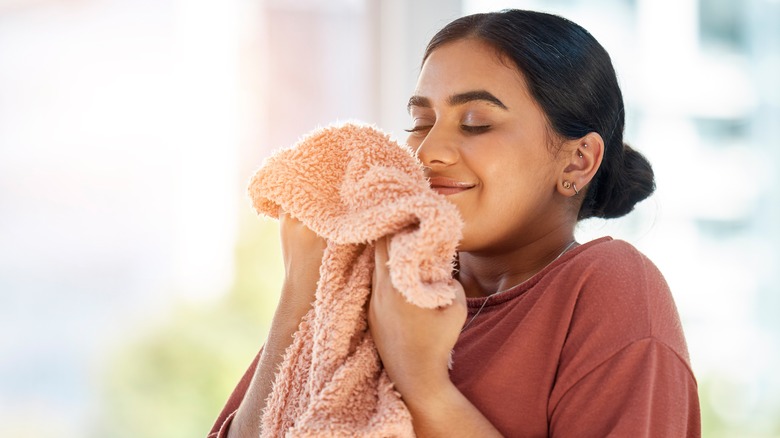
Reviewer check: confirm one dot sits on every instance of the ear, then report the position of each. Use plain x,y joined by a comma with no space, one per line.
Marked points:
580,160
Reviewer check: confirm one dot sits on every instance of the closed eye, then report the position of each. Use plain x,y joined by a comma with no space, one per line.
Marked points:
418,128
471,129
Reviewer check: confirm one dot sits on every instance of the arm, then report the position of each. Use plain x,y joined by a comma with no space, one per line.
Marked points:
222,424
643,390
415,346
302,253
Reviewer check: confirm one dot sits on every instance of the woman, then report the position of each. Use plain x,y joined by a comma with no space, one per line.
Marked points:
518,119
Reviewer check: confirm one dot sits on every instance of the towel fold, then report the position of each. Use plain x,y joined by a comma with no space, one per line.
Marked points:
353,185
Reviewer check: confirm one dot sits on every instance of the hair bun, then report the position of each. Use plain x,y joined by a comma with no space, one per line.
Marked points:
619,185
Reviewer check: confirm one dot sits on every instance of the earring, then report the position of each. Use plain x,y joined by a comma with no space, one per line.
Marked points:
576,192
566,185
579,153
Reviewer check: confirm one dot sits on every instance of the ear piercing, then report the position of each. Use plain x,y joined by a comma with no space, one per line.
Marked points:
569,185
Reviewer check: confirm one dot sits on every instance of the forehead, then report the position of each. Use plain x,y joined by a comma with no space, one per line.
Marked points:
469,64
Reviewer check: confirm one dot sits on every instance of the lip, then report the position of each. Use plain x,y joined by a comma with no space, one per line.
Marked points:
448,186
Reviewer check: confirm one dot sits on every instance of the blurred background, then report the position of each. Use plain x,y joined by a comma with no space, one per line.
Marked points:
136,284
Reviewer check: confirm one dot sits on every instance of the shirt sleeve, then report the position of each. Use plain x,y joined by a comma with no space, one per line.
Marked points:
643,390
222,424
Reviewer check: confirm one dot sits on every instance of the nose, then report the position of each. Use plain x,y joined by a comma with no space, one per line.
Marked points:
437,149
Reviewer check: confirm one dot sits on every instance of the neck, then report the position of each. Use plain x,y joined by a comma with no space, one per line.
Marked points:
483,274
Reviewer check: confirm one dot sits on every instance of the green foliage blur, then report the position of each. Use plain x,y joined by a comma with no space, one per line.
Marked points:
737,409
173,380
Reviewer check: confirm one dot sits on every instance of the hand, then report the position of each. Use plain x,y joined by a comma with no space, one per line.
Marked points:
302,251
414,343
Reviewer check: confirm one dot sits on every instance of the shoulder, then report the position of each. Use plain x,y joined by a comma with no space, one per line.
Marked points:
616,274
618,258
613,274
621,298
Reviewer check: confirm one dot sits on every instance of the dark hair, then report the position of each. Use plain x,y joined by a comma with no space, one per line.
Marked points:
571,77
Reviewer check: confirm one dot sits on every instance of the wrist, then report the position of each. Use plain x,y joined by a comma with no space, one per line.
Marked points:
430,395
297,292
444,411
293,304
431,408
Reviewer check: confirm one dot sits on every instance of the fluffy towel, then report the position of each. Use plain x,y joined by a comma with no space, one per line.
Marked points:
353,185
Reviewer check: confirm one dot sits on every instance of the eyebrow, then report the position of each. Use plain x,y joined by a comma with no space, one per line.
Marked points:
459,99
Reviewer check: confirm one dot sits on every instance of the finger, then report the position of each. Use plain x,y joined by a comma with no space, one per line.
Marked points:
380,259
287,223
380,248
382,286
282,218
285,217
375,273
373,300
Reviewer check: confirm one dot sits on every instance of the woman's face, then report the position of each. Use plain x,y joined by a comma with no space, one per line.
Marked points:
485,143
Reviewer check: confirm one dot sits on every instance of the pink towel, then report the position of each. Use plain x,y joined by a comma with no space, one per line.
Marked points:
353,185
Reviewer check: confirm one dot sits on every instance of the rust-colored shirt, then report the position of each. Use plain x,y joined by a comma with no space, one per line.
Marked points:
591,346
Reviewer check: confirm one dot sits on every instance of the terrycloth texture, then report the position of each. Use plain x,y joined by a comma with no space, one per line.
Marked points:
352,185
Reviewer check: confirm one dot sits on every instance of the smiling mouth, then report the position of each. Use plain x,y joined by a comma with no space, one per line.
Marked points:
448,186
